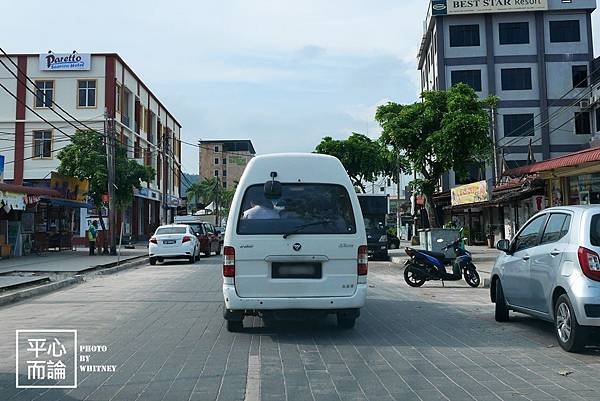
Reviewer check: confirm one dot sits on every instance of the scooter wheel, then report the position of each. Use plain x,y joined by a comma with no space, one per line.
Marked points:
472,278
412,277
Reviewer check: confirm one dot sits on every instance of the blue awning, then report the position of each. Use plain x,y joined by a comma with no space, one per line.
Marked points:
67,203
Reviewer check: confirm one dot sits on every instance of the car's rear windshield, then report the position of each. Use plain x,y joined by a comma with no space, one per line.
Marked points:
197,227
171,230
303,208
595,230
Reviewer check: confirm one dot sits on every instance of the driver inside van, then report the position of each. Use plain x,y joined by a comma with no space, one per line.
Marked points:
261,209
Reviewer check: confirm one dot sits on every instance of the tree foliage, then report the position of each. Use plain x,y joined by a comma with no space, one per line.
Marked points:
85,159
363,158
446,130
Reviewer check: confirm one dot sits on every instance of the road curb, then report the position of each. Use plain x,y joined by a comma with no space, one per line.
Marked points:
47,288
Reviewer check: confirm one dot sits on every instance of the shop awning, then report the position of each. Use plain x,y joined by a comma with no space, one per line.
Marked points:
28,190
67,203
584,161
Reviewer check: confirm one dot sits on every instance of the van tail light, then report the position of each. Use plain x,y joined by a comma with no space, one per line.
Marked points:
363,260
153,240
228,261
186,238
589,262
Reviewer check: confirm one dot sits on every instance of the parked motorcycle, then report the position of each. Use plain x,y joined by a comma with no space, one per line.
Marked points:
426,265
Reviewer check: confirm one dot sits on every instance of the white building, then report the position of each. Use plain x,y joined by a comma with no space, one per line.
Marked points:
92,88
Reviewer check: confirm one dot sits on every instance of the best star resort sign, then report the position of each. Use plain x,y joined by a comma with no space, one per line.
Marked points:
453,7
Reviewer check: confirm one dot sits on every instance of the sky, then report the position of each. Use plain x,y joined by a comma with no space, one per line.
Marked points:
282,73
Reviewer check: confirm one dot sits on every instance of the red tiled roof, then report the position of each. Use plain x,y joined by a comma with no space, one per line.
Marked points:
569,160
20,189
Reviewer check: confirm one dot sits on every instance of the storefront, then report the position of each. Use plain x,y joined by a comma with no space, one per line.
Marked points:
468,210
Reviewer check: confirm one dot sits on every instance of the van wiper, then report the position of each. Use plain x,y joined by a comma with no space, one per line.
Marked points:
299,228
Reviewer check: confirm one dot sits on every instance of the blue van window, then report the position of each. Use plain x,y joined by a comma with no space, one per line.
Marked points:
308,208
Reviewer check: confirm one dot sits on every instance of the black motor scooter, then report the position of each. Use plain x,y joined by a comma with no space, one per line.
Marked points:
425,265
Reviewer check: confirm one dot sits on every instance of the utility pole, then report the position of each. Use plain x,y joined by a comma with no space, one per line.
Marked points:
398,197
110,165
496,172
165,177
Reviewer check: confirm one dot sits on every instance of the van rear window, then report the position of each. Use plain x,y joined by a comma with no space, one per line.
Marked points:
595,230
302,208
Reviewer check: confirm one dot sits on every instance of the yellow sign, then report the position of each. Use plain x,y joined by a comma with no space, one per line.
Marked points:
470,193
70,187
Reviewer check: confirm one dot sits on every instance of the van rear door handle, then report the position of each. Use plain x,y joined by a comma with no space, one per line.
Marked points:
555,252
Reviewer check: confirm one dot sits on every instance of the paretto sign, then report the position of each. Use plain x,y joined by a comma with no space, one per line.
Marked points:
453,7
65,62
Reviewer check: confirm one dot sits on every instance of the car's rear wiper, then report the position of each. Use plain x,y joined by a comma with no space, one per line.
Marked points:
299,228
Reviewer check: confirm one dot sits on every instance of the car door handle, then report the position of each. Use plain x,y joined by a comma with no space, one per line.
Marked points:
526,257
555,252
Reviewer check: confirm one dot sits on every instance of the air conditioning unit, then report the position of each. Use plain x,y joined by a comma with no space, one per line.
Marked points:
584,104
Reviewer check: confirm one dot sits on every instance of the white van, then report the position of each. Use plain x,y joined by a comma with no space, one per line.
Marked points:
295,242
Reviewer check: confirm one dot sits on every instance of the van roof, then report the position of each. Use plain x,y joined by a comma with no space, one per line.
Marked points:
295,167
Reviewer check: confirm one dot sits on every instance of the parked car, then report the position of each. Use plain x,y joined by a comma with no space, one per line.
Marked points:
208,238
551,270
174,241
295,242
393,241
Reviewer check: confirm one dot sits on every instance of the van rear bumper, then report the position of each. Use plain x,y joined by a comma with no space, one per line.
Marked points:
234,302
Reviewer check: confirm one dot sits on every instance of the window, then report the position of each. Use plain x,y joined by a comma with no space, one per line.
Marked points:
598,119
518,125
216,160
216,173
118,98
44,93
171,230
216,149
529,236
556,228
564,31
309,208
514,79
469,77
42,144
464,35
513,33
582,123
580,73
224,184
595,230
224,161
224,173
86,93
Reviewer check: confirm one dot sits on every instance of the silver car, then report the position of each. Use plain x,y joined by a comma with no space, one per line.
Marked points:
551,270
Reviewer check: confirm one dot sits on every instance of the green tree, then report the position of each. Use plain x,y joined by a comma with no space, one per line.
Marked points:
85,159
446,130
363,158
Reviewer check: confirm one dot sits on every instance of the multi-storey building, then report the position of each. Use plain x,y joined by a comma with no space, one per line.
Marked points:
595,100
536,56
225,160
96,90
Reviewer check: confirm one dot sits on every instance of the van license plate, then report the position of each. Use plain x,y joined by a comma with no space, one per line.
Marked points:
296,270
169,241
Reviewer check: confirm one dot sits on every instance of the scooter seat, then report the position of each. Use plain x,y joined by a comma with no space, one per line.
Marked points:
438,255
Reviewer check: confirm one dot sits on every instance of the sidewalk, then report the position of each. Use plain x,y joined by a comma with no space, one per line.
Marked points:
41,268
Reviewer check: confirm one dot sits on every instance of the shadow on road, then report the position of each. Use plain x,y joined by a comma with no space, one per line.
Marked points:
8,390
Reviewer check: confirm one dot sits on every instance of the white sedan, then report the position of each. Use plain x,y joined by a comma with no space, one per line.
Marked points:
173,241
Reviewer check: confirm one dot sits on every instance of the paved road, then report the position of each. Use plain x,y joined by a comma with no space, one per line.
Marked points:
165,335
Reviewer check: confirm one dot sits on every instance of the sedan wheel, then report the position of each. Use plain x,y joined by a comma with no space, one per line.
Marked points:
570,335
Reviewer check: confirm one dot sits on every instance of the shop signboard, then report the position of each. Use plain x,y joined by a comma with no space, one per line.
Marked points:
454,7
12,200
70,187
1,168
539,203
471,193
65,61
147,193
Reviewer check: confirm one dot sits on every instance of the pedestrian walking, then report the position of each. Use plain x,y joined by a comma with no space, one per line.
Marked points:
92,234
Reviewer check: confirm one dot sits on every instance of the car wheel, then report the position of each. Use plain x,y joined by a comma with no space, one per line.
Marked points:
392,245
234,326
412,278
570,335
152,261
345,322
207,254
192,259
501,312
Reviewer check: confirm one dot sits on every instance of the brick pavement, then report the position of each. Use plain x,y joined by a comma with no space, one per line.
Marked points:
165,333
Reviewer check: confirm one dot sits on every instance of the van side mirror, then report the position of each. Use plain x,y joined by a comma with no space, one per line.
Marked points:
272,189
503,245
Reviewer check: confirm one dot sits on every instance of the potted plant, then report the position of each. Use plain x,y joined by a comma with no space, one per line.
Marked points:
491,237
